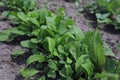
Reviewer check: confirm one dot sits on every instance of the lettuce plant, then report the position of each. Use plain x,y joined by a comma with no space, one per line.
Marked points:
19,5
13,6
60,50
106,11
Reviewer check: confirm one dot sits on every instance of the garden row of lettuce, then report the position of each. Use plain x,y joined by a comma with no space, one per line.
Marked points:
106,11
60,50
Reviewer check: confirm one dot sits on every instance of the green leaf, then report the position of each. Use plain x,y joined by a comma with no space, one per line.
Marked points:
17,31
7,35
4,36
110,65
99,56
2,4
118,68
106,20
51,33
29,5
34,21
108,51
69,61
36,32
22,16
50,20
28,44
18,53
43,13
5,14
84,62
44,27
52,64
7,31
109,76
118,18
32,14
69,70
10,34
81,79
64,38
63,73
94,42
81,10
61,61
61,49
73,52
55,53
51,44
62,13
74,49
35,57
102,16
62,29
77,32
42,78
69,22
35,40
51,73
76,2
28,72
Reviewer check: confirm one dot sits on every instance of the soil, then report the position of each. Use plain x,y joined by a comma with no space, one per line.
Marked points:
10,67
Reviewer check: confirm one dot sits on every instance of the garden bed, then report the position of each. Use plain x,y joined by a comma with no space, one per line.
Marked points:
10,67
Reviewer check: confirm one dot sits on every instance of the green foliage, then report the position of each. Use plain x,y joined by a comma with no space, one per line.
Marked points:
108,51
106,76
106,11
35,57
59,48
28,72
19,5
7,35
28,44
83,63
18,53
14,6
95,48
42,78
